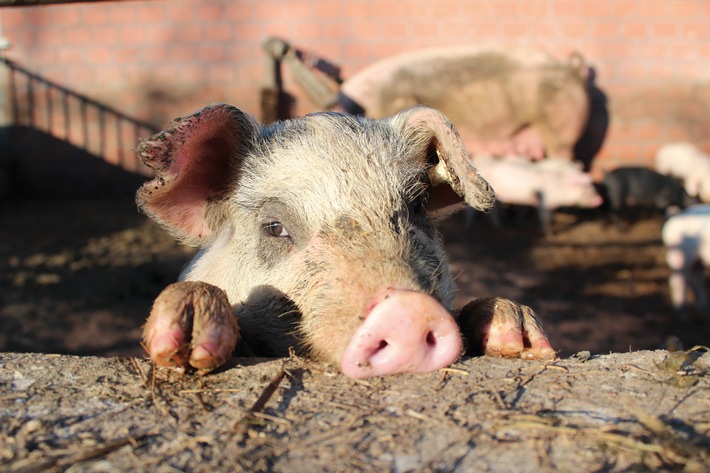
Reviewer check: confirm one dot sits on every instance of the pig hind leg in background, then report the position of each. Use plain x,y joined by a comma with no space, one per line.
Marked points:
319,234
686,237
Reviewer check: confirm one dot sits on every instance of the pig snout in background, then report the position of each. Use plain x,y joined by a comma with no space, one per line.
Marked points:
686,237
503,100
546,185
687,163
629,190
320,234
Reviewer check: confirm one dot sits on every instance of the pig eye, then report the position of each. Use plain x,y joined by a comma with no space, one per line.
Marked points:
417,205
276,229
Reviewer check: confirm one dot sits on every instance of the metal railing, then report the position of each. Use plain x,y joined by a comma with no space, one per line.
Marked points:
84,122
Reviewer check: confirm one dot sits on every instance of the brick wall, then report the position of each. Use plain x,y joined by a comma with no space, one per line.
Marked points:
158,59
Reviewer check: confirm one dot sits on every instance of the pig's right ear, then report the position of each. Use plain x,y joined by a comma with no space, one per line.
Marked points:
196,161
451,168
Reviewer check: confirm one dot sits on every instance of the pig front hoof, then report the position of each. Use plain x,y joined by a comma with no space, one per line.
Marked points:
500,327
191,324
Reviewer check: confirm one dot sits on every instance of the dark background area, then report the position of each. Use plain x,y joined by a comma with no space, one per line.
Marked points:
80,267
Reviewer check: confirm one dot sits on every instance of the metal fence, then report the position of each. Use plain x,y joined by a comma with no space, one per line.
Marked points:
54,109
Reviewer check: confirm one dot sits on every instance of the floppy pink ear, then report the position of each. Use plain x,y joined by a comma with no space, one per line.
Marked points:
196,161
449,157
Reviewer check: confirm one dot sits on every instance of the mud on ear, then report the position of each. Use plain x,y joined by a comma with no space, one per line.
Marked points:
452,177
196,160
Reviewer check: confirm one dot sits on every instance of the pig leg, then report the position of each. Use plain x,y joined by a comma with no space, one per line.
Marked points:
499,327
696,279
191,324
529,142
678,280
544,213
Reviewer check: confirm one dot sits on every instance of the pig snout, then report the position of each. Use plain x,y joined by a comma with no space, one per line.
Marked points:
403,332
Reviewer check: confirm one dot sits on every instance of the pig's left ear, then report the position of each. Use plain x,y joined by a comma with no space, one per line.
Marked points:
451,170
197,162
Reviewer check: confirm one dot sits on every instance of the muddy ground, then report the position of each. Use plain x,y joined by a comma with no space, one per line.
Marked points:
77,277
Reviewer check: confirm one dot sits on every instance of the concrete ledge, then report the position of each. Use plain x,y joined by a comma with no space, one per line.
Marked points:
618,412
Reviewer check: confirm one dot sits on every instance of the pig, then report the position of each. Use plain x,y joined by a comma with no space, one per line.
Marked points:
688,163
630,187
686,237
547,185
318,234
503,100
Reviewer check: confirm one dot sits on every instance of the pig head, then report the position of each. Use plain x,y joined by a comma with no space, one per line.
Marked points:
317,234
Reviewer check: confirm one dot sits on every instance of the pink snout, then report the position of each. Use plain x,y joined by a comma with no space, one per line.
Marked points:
405,332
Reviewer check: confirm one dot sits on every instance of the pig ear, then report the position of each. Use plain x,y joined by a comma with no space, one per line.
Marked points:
443,149
196,161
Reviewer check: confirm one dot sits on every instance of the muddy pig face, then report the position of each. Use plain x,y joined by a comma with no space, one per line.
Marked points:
321,230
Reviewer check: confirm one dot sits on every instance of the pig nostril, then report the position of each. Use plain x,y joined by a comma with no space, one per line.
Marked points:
430,339
381,346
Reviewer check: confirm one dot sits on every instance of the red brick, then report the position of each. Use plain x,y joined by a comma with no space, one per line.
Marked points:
126,55
336,31
181,53
70,55
124,13
634,29
484,29
38,16
211,53
210,11
534,9
574,29
152,13
501,9
66,15
566,8
370,28
394,8
182,12
110,34
192,73
646,130
238,11
99,55
303,30
109,74
358,50
53,37
623,9
96,15
589,9
219,32
155,54
696,30
326,9
133,35
605,29
15,18
664,29
188,33
77,36
683,8
513,29
395,28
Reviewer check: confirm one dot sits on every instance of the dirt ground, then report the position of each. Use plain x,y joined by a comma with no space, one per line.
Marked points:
77,277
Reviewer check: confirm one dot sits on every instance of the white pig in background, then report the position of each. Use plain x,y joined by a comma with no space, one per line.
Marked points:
687,239
688,163
547,184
